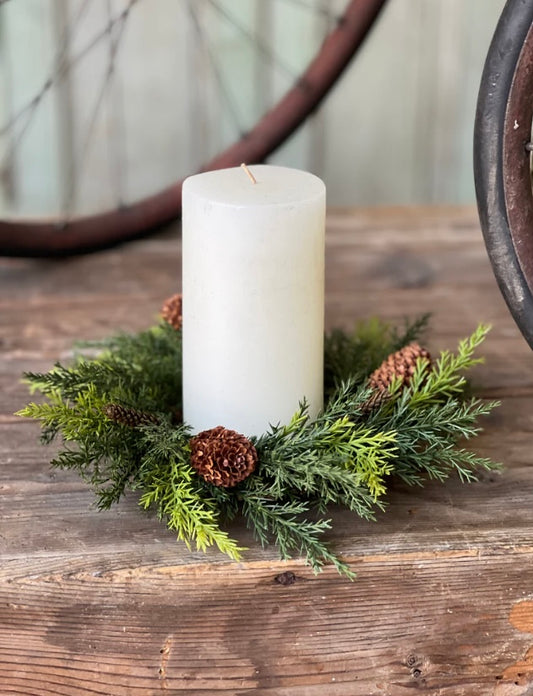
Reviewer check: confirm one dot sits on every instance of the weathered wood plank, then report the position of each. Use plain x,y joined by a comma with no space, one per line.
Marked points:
406,623
108,603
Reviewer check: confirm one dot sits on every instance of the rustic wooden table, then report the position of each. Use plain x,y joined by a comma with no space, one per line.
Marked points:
109,604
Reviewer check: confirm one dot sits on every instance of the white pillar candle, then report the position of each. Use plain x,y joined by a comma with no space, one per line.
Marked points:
253,297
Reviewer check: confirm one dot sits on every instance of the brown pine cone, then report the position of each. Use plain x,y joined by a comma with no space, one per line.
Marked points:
400,364
171,311
128,416
375,401
222,457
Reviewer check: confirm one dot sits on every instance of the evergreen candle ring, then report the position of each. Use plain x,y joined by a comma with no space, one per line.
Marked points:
391,411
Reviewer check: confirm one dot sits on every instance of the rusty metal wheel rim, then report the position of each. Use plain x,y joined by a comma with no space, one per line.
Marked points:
83,234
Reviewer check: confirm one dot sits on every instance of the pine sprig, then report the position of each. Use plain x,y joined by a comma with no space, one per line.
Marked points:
431,417
353,356
76,420
446,379
292,534
102,453
410,332
334,441
170,485
345,456
173,489
427,439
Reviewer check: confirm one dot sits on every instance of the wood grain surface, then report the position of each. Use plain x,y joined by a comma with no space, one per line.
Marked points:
109,604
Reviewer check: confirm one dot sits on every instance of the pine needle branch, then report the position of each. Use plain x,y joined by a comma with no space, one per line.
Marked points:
171,485
318,452
292,534
178,498
353,356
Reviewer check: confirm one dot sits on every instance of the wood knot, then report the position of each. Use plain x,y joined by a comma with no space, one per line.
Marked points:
416,664
165,655
412,660
286,578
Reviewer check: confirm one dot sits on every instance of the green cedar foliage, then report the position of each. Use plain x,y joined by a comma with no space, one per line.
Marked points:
346,456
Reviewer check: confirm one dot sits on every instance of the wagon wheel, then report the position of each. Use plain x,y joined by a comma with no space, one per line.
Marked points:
502,159
74,234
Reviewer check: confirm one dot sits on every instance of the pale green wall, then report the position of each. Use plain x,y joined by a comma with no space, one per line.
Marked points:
410,100
397,129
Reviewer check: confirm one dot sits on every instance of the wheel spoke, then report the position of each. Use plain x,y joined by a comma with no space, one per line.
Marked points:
61,66
116,133
16,138
271,56
224,91
114,33
322,9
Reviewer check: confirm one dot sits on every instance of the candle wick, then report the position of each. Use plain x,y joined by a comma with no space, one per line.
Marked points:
252,177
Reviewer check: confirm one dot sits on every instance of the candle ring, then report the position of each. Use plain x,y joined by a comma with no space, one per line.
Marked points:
391,411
